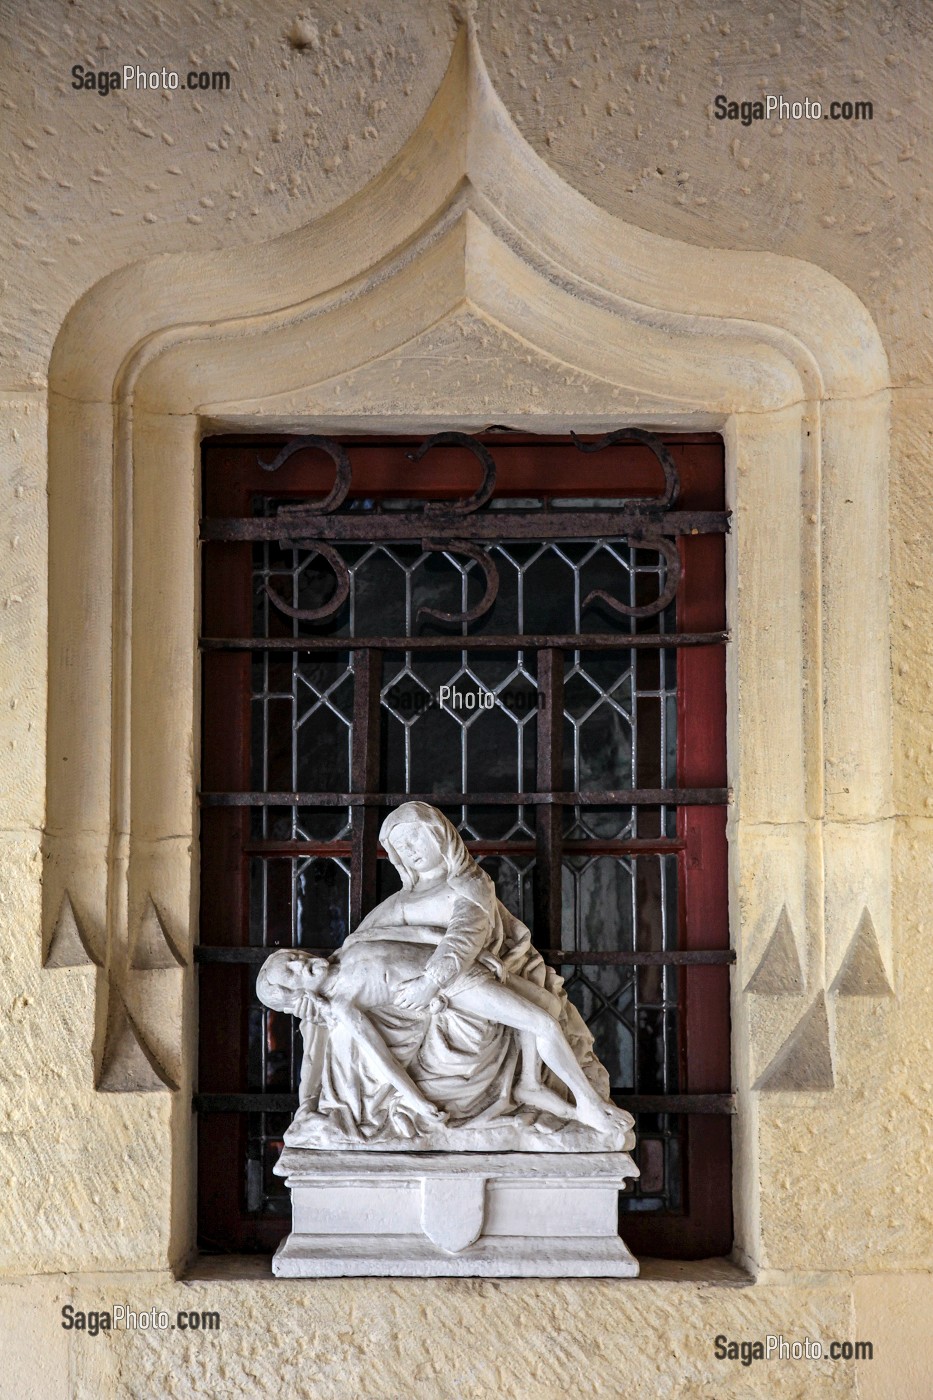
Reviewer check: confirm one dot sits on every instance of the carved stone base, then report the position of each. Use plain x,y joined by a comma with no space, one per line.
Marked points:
510,1214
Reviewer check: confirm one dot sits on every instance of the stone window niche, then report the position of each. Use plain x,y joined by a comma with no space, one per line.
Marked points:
468,286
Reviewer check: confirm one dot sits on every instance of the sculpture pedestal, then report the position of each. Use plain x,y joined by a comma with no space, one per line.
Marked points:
498,1214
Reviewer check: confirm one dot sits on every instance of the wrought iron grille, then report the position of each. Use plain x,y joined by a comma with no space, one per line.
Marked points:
513,659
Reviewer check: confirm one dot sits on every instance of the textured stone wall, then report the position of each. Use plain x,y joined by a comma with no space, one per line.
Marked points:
617,99
467,1340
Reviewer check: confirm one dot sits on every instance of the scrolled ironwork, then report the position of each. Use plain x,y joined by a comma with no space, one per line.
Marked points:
671,555
334,603
338,455
645,522
487,486
655,445
490,573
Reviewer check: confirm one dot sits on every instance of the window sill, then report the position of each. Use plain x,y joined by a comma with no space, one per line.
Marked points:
256,1268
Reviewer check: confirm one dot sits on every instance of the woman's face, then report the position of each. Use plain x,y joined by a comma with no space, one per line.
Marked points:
416,847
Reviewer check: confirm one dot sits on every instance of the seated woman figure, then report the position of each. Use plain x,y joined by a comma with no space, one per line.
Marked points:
437,1008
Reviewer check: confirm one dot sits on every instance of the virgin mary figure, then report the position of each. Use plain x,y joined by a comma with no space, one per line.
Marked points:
437,1024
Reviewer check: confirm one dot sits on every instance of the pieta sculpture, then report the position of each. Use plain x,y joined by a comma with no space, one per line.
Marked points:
438,1028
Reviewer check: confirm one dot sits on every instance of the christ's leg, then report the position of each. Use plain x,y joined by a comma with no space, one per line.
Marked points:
528,1088
499,1003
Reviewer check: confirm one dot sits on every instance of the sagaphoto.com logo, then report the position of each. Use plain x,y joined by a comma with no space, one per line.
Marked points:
132,78
777,107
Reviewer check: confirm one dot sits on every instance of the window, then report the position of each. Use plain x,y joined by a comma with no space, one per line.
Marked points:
542,657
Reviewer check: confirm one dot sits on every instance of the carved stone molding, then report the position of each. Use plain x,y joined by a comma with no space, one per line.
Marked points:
805,1060
153,948
358,322
863,973
68,945
780,972
128,1064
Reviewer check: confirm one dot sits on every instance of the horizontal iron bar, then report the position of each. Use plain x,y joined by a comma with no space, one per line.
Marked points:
242,953
532,641
676,1103
674,957
635,1103
270,850
244,1103
622,797
489,527
645,846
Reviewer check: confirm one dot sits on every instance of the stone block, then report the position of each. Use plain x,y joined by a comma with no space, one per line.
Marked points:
508,1214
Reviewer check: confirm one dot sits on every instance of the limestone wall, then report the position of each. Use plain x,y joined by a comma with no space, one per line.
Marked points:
617,100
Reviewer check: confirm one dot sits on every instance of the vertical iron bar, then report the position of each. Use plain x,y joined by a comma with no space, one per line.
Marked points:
364,777
550,816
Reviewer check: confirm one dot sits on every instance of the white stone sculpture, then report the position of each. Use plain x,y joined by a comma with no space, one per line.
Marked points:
438,1028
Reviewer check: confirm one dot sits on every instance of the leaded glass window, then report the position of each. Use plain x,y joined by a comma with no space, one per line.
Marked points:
546,666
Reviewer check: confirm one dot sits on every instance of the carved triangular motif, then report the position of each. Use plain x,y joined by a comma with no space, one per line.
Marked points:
69,946
863,973
154,949
779,973
805,1060
128,1065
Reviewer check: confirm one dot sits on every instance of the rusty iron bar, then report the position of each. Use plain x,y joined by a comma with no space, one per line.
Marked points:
558,957
273,850
645,846
675,1103
491,527
364,776
675,957
549,832
634,1103
627,797
532,641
